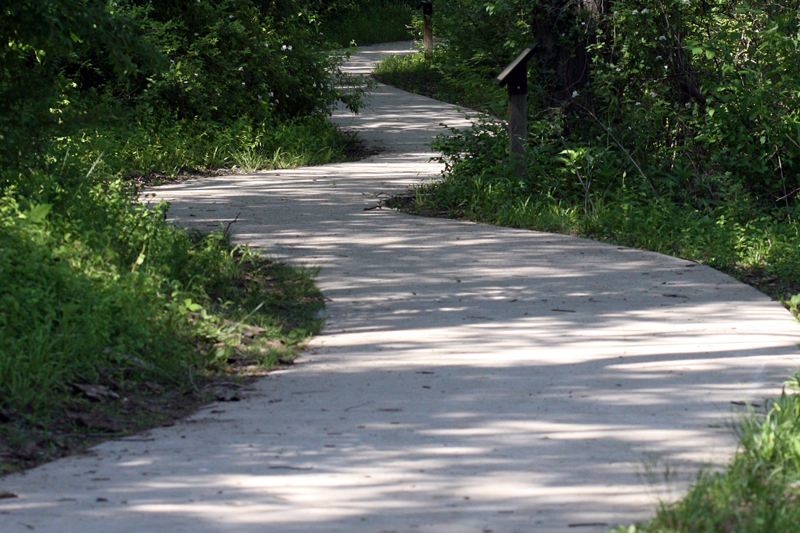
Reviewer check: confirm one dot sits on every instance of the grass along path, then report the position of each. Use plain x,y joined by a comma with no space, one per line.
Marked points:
758,489
468,377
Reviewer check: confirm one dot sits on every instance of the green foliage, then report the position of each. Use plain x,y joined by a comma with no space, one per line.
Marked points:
706,94
572,195
70,63
76,295
680,135
693,98
91,94
429,74
368,22
94,280
757,492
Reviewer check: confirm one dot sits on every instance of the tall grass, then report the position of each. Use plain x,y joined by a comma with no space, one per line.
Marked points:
92,280
758,491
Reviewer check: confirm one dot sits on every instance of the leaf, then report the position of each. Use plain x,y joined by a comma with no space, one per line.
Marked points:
191,306
37,213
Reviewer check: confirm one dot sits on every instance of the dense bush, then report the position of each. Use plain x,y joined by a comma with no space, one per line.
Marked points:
368,21
91,93
670,125
78,62
694,98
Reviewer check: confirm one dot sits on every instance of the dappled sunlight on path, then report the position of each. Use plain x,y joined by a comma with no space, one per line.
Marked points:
469,378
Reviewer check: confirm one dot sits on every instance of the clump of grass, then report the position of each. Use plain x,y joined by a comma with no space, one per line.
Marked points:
758,492
149,307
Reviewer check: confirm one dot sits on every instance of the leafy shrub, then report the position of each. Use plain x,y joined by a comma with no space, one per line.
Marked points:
368,22
693,98
92,280
670,126
85,61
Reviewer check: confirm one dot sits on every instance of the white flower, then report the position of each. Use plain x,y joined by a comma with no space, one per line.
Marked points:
270,94
315,85
653,94
666,67
635,12
618,69
644,11
266,45
243,83
230,16
196,74
583,24
638,103
196,34
259,97
688,105
685,2
658,58
615,12
283,48
574,94
241,68
290,48
662,38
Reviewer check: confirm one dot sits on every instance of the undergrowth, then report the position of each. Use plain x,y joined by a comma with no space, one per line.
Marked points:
370,22
756,493
99,290
111,318
669,126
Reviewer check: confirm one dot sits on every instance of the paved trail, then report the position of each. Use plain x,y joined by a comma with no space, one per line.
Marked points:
470,378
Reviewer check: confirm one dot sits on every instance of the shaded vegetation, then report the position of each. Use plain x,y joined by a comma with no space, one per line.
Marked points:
757,492
681,136
368,22
111,318
670,126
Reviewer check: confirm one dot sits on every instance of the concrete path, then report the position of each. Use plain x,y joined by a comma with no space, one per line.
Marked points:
470,378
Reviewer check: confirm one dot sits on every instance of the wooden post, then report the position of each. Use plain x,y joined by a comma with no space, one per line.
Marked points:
517,122
427,17
515,77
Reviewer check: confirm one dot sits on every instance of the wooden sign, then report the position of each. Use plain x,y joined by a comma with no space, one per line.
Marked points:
515,77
